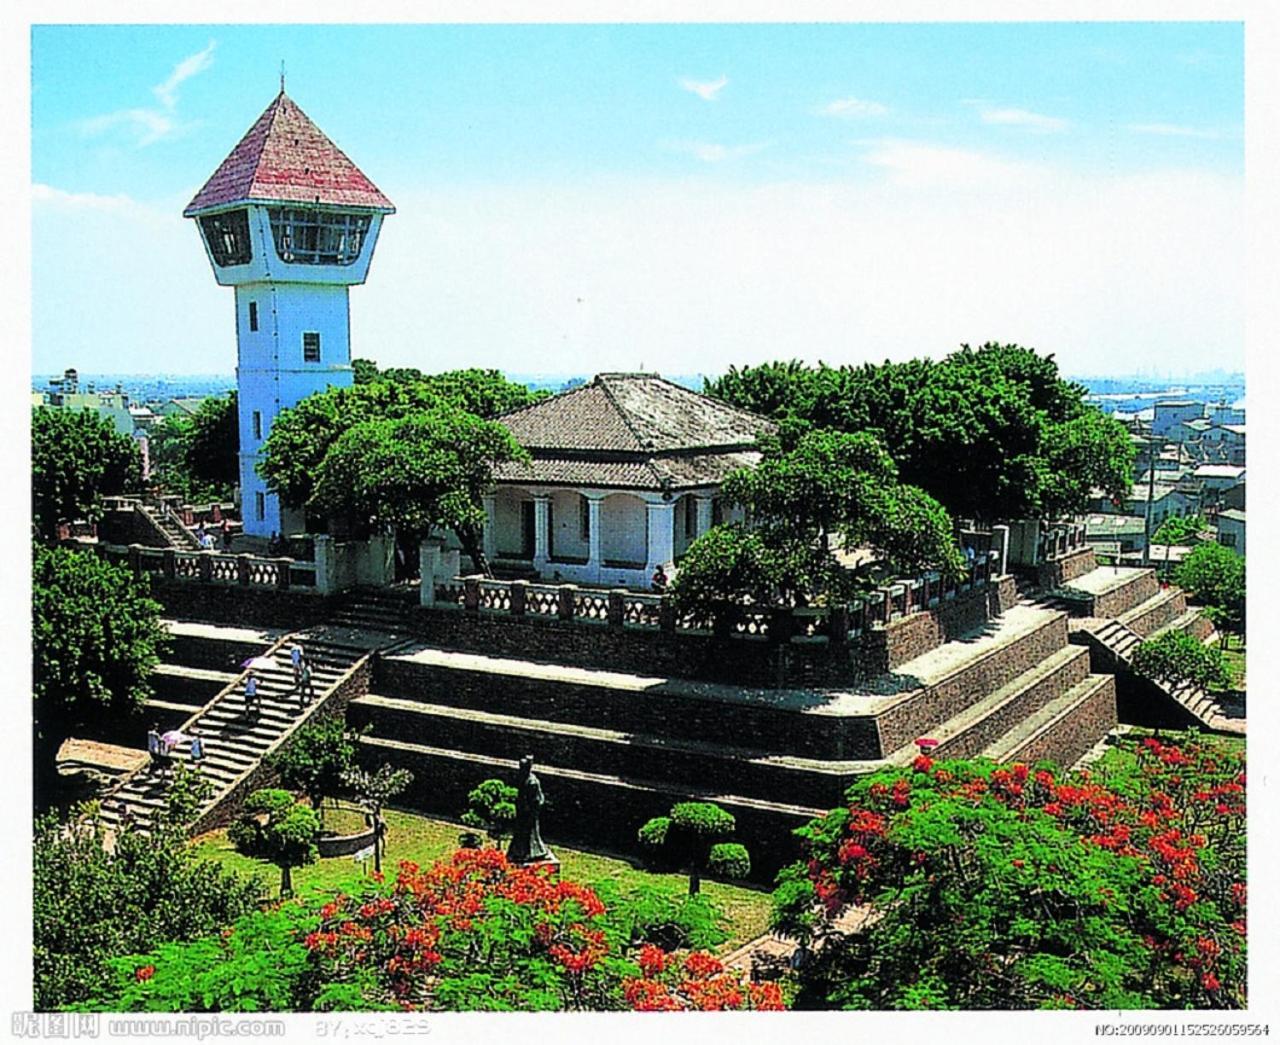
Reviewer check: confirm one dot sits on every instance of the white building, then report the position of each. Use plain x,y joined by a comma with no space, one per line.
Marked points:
291,223
1231,529
625,474
1168,412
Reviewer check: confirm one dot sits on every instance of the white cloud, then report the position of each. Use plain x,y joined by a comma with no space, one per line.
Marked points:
1032,121
922,164
707,90
150,125
714,152
184,70
854,108
1172,130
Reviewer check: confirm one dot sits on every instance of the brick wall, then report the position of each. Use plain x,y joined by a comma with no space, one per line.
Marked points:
1172,605
580,810
915,715
1057,572
1076,730
1119,600
662,709
909,637
241,604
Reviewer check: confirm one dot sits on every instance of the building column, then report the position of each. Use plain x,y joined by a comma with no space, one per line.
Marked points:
541,531
702,520
660,533
593,534
489,541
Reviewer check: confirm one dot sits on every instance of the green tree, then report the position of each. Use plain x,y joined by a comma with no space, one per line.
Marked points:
1180,529
696,837
211,452
1179,659
1214,576
316,759
96,637
1017,887
301,435
991,433
491,808
273,827
813,493
373,791
92,904
77,457
417,474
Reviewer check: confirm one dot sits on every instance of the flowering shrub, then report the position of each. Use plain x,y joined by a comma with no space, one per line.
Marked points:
471,932
476,932
1015,886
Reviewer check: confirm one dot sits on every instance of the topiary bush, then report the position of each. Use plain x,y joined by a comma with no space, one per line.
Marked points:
729,860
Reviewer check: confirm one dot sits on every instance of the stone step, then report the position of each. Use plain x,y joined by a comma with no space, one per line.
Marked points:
1064,729
596,808
674,762
1111,590
966,734
1154,613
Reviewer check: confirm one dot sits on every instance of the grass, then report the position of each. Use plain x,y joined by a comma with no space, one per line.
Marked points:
423,840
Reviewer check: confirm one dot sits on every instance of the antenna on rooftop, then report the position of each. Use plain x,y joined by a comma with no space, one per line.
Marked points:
282,76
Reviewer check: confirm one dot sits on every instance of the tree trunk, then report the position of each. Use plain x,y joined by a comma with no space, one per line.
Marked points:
378,829
473,545
286,880
695,880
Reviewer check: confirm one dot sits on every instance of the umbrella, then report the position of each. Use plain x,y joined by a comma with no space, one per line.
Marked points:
258,663
173,737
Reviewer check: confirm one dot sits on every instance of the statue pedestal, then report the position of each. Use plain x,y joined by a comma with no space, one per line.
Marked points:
550,861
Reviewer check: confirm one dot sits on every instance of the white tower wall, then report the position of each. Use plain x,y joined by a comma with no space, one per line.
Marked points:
274,372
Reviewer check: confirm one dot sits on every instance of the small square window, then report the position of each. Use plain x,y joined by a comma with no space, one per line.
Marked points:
310,347
253,315
257,424
260,505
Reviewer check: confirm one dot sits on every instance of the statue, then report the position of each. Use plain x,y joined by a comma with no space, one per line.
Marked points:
526,845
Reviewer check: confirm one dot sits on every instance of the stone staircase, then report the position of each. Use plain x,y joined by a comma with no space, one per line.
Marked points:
174,533
1114,643
377,610
235,744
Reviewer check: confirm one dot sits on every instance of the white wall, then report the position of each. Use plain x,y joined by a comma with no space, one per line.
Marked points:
508,535
566,526
623,529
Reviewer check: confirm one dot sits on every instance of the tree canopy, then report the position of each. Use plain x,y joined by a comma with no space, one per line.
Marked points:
813,493
992,433
315,759
448,405
1214,576
1178,659
96,636
211,453
77,457
92,905
426,471
273,827
695,836
1019,887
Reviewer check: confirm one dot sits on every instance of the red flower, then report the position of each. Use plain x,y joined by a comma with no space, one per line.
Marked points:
700,965
145,973
653,960
1210,982
922,764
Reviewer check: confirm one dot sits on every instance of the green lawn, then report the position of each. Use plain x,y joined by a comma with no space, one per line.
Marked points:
417,838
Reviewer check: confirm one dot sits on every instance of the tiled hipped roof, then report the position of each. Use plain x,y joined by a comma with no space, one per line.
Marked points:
286,158
634,431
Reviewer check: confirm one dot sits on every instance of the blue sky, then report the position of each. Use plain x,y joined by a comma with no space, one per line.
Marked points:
682,197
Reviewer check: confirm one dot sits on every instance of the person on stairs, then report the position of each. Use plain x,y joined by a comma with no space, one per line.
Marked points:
251,706
196,752
153,747
306,691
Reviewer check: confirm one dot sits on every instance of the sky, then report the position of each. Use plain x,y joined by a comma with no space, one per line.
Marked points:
678,198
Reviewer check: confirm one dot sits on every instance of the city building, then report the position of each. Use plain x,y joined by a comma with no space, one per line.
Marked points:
1231,529
1169,412
291,223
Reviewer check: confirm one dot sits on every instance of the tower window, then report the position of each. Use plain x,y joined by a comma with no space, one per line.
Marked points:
314,237
228,237
311,347
257,424
253,315
260,505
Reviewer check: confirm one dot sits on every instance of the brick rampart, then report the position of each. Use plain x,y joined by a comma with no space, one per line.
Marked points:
1121,599
1076,730
1171,605
243,606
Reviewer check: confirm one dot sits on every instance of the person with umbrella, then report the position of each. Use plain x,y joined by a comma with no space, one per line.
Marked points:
251,693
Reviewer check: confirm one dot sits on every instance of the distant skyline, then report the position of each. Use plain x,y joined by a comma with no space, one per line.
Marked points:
674,198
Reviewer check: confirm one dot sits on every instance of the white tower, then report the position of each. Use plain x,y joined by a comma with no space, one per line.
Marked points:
291,223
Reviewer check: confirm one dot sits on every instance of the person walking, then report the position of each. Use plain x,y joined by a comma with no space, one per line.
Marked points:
226,534
251,694
197,748
306,691
153,747
296,656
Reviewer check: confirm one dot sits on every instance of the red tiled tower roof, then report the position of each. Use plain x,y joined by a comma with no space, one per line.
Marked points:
286,158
